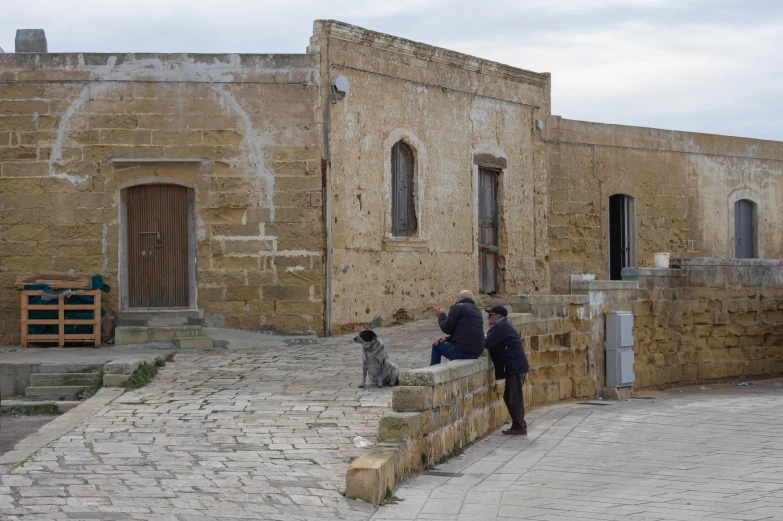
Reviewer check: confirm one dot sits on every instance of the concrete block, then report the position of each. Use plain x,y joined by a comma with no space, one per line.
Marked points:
370,475
122,366
64,392
30,40
115,380
400,425
131,335
200,342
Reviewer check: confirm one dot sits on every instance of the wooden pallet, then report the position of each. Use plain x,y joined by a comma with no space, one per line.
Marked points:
55,281
61,307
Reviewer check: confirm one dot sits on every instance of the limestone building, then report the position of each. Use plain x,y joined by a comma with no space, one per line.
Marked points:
362,182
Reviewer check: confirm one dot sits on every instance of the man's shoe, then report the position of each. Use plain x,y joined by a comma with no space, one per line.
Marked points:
516,432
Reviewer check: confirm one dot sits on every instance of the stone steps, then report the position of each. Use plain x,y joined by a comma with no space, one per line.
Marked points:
60,379
201,342
128,335
62,406
54,392
63,368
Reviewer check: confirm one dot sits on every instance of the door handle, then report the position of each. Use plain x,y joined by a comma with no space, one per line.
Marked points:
157,238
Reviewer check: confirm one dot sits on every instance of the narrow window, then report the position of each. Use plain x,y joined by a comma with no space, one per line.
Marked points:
744,230
403,203
622,235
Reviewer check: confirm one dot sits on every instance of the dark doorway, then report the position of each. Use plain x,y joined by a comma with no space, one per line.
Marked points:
744,232
157,227
621,234
488,230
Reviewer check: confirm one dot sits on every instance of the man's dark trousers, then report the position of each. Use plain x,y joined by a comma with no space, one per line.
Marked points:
515,402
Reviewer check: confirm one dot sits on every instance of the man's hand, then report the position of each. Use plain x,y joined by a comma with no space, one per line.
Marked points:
438,311
438,341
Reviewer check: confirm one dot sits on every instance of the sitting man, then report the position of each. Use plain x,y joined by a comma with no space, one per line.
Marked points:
465,326
508,356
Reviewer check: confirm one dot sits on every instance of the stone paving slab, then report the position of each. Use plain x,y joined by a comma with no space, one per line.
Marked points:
257,434
697,453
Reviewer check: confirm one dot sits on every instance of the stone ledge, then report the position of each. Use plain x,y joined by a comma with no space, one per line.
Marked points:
438,374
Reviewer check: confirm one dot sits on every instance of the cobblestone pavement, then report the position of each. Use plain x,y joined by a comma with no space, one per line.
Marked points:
257,434
712,453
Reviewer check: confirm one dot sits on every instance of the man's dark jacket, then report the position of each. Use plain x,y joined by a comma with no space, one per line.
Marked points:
505,348
465,327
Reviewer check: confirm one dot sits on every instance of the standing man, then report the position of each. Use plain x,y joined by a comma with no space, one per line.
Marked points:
508,356
465,326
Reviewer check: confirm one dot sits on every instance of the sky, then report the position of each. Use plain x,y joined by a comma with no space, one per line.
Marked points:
713,66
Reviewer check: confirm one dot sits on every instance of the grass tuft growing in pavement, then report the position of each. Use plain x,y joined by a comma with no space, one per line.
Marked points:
146,373
88,392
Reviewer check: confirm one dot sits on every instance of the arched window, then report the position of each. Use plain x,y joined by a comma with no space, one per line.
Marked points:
744,230
403,163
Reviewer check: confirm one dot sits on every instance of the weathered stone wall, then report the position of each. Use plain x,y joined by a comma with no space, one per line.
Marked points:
710,320
449,108
436,409
241,131
556,334
684,185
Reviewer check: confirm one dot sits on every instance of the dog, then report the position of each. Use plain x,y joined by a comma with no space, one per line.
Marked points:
375,361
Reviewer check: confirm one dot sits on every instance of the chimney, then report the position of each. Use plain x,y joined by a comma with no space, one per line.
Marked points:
30,40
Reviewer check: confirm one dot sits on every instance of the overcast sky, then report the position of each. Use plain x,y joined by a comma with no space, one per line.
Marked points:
701,65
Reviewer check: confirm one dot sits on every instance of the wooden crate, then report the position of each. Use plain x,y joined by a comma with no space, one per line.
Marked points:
55,281
61,307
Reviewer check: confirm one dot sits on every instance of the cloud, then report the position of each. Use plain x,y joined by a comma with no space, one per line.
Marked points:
706,65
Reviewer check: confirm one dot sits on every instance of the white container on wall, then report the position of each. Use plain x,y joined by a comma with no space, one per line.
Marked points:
662,260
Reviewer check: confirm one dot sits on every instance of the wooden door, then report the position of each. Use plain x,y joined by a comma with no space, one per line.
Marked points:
488,230
744,234
157,245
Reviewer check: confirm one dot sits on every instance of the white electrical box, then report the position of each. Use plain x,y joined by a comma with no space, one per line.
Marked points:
619,349
619,329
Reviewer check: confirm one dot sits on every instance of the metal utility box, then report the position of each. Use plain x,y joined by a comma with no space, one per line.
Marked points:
619,329
619,349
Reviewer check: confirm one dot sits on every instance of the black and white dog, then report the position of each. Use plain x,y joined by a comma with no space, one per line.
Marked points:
375,361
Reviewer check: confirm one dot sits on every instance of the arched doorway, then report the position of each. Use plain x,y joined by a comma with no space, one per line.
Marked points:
158,234
622,234
744,230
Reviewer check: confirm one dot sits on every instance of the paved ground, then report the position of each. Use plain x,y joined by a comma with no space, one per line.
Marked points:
14,427
260,434
267,434
689,454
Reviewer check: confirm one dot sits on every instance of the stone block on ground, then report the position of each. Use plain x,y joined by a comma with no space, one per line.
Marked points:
59,392
370,475
122,366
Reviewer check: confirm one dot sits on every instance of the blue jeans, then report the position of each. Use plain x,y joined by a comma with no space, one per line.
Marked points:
448,350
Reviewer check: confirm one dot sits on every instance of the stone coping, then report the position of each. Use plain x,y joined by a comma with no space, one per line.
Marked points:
632,273
445,372
712,262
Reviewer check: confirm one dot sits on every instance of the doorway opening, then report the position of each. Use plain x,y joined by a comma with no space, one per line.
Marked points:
158,242
622,234
744,230
488,221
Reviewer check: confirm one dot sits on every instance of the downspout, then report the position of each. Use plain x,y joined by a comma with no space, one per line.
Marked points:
326,164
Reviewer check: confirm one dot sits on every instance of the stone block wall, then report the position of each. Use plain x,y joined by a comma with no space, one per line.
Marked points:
556,334
436,409
241,132
666,172
709,320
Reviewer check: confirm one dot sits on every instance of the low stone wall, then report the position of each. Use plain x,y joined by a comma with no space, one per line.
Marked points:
436,409
710,319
